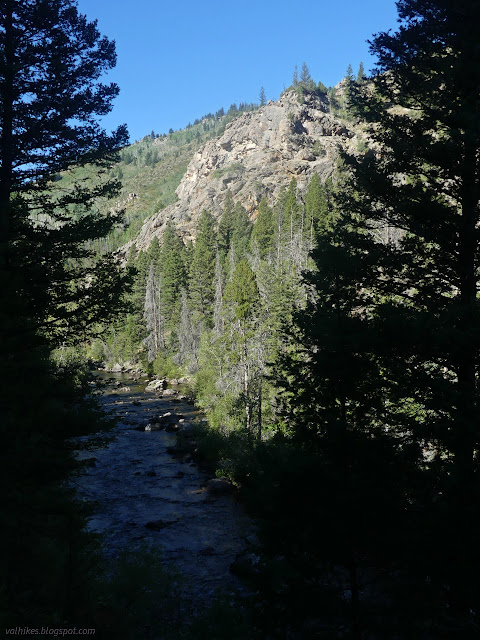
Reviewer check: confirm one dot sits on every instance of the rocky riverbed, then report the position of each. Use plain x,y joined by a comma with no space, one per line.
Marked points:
145,494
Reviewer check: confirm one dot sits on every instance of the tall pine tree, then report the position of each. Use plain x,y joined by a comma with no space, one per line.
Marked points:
52,288
202,268
391,339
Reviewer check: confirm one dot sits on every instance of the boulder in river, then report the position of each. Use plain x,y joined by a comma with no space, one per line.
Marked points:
169,392
153,426
117,368
220,486
156,385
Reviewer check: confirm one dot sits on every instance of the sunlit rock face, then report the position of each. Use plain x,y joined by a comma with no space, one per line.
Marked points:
257,155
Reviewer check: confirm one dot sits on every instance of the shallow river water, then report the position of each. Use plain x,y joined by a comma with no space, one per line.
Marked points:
133,480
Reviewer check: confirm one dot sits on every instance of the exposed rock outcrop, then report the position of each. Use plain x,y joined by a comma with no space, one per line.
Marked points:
256,156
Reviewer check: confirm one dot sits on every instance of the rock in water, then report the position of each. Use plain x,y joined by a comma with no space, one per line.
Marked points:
220,486
156,385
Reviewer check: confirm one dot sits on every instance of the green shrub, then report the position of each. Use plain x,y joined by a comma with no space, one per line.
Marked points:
163,365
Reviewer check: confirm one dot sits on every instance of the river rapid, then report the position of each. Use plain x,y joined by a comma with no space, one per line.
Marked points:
144,494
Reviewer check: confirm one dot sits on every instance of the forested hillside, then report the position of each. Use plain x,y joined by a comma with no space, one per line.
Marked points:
149,171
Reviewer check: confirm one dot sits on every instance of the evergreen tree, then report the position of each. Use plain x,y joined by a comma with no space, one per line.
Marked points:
241,294
291,213
154,254
295,76
188,336
263,97
225,227
242,291
154,314
202,268
263,229
53,290
349,74
54,64
174,275
305,77
241,231
360,73
396,321
219,288
316,209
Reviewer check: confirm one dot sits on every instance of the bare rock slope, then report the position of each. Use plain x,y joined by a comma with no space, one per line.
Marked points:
256,156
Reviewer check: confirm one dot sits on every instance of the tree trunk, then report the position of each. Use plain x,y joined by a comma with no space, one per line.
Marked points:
259,410
248,408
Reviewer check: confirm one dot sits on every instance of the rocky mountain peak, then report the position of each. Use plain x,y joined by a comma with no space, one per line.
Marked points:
257,155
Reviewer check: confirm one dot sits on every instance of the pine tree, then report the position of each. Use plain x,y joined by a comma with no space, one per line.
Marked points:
423,70
219,288
263,229
202,268
174,275
360,73
154,314
263,97
53,289
241,232
188,336
292,220
295,76
396,319
225,227
316,209
305,77
241,294
55,82
154,254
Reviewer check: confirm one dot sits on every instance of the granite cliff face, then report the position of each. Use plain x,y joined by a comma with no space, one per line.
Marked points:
256,156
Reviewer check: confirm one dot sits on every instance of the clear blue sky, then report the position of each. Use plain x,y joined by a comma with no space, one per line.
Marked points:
182,59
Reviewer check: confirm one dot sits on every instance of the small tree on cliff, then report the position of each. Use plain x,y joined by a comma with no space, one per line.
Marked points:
263,97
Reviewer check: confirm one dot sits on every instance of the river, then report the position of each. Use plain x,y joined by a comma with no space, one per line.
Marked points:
134,481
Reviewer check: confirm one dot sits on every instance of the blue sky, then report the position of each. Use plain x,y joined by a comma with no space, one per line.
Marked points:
180,60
